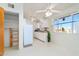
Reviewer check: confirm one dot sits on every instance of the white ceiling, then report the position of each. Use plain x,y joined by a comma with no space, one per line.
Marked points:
65,8
30,8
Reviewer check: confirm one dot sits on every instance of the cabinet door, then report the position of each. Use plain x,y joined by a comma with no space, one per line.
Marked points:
1,31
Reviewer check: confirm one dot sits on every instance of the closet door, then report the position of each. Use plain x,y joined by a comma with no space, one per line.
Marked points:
1,31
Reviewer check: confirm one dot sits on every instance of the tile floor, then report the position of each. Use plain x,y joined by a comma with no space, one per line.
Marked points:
40,49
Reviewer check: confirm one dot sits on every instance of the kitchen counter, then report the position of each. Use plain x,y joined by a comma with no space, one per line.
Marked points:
41,35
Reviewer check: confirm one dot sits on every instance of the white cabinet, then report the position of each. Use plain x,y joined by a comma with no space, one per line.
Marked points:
41,36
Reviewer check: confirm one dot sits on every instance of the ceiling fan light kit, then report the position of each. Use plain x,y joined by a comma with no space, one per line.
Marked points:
47,14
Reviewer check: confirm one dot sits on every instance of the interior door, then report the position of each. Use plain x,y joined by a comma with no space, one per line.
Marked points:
1,31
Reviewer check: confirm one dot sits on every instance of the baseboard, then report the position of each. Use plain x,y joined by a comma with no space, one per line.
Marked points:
28,45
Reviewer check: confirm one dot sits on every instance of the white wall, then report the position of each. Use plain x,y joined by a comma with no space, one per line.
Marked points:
20,7
6,8
41,24
44,23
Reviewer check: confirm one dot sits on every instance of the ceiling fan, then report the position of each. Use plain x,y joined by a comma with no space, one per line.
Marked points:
49,10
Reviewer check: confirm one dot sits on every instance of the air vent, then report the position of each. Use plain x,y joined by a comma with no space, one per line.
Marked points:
10,5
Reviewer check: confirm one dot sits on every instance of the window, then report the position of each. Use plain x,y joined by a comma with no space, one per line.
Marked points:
69,24
63,25
75,27
68,19
66,27
76,17
56,28
60,20
76,23
56,22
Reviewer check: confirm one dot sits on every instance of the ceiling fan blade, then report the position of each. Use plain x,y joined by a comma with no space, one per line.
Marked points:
39,11
50,6
55,11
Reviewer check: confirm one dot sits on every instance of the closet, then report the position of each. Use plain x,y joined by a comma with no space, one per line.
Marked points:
11,30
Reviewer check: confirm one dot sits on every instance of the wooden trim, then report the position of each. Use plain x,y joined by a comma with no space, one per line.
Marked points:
11,37
1,31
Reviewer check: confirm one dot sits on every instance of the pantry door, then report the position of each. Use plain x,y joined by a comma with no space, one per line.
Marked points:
1,31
